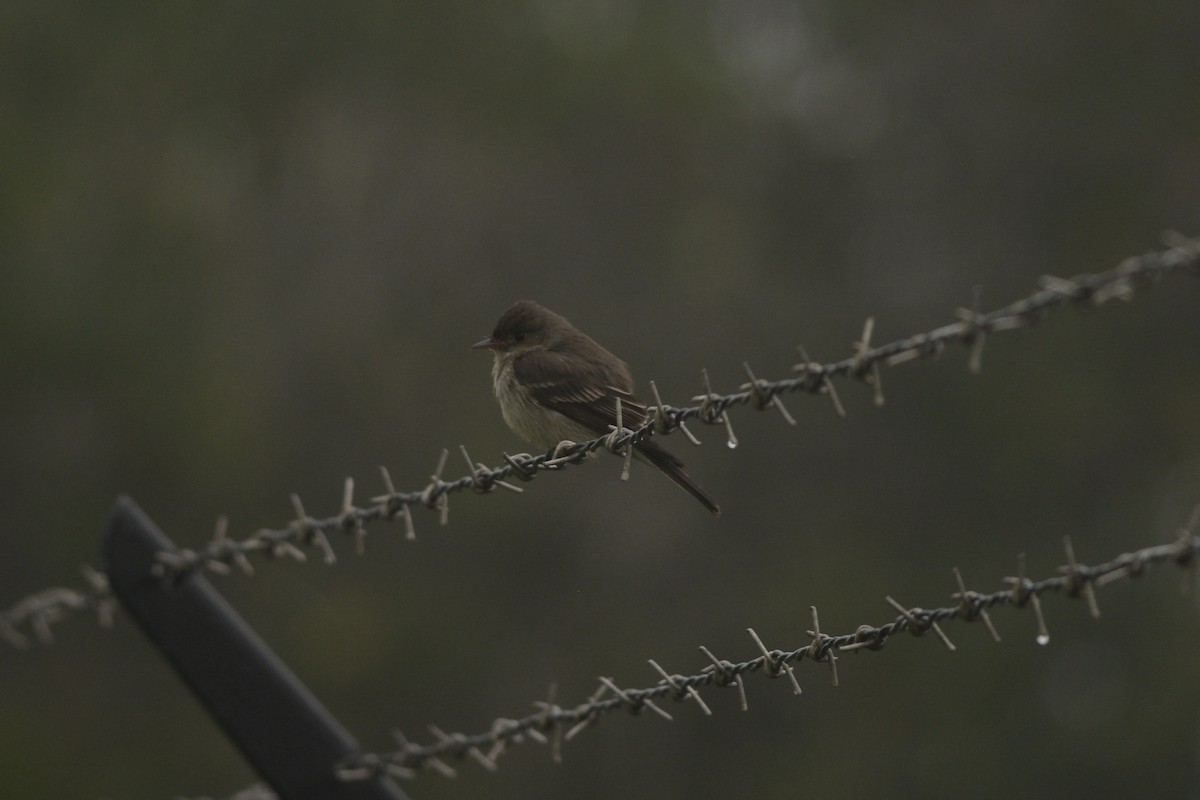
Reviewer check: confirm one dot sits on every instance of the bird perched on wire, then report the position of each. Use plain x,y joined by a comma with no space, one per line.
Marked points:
555,384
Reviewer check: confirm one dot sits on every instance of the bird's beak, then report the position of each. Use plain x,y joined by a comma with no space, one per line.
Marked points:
487,344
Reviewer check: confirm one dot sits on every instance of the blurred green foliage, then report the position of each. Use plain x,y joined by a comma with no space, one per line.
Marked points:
244,248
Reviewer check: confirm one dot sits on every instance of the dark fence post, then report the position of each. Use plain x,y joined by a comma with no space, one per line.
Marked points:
290,739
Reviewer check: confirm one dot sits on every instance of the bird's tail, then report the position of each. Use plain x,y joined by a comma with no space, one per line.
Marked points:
674,469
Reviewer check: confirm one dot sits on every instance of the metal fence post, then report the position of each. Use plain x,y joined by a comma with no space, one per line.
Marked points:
289,738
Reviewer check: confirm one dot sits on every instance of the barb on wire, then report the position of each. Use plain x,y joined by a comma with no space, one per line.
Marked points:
223,552
554,723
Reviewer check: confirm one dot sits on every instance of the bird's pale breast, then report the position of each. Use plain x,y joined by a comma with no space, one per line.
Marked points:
534,423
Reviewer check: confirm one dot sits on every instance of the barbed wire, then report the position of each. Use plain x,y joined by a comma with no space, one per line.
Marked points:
38,611
553,724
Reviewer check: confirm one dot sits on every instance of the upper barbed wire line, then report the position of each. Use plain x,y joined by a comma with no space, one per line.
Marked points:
221,553
40,610
1088,290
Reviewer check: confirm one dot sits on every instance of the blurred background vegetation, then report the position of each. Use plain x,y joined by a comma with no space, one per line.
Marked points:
245,248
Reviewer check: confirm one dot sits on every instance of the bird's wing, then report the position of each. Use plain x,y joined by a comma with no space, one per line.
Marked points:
585,395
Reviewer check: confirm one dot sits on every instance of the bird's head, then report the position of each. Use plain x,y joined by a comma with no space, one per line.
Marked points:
524,327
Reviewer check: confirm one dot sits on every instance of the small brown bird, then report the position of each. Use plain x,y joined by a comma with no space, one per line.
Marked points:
554,384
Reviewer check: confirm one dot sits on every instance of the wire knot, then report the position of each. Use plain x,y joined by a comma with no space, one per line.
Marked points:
523,471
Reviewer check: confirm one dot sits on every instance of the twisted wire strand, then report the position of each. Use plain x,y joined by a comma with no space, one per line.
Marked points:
38,611
553,724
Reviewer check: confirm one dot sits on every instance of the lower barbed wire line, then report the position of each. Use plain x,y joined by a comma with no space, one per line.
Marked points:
413,757
552,719
222,552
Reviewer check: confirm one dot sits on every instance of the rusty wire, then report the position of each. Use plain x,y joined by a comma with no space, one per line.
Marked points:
38,611
553,724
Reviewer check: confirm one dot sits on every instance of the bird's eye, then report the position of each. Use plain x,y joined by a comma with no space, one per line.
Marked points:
520,337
